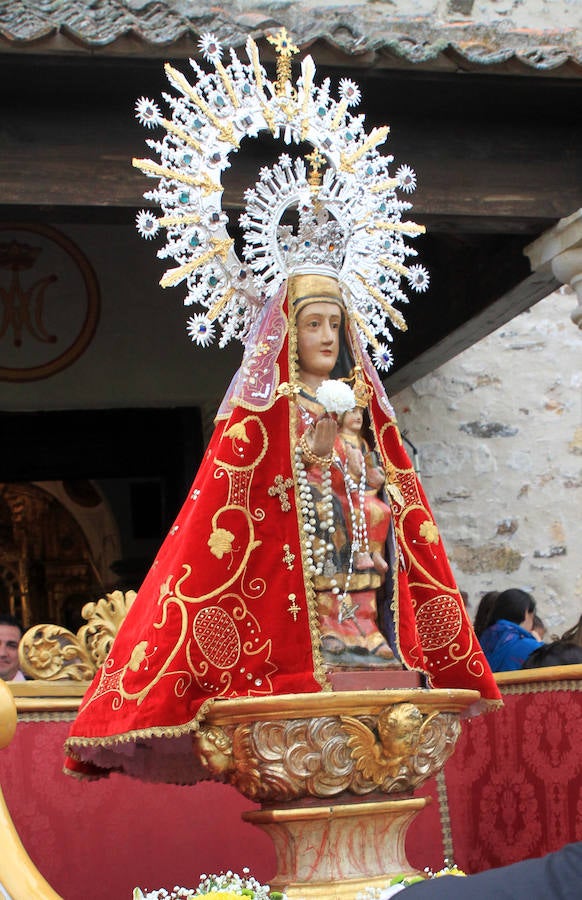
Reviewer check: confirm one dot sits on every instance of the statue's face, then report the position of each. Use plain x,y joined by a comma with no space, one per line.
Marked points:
318,327
353,420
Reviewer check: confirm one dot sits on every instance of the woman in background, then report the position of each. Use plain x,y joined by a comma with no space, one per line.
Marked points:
484,610
507,641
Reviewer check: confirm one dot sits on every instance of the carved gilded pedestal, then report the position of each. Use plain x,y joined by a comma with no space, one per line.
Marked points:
334,774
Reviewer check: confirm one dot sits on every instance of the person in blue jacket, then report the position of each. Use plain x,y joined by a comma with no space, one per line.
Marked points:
507,641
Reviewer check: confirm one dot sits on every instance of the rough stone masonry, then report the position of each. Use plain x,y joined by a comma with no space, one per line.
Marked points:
499,435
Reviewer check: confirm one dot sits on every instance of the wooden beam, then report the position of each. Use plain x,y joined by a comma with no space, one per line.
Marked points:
484,160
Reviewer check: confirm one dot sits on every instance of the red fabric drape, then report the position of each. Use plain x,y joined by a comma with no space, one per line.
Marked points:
514,782
98,839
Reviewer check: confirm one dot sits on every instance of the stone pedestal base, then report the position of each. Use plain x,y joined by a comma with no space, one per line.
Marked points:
333,852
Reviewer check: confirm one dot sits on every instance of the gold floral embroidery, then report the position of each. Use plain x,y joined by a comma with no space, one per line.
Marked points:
258,448
288,390
429,531
220,542
165,587
238,432
138,654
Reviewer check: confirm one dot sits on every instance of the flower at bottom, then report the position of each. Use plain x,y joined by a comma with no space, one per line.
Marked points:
222,895
226,886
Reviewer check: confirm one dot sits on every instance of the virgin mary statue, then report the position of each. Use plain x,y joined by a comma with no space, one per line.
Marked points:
296,552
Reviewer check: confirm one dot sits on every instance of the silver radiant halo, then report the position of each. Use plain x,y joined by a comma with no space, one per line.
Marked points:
355,212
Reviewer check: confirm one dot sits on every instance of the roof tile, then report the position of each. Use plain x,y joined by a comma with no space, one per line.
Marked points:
414,31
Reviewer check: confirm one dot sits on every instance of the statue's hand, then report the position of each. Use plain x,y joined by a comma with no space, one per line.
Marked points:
355,460
322,437
375,476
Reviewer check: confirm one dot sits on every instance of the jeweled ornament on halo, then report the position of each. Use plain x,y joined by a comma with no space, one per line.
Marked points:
351,217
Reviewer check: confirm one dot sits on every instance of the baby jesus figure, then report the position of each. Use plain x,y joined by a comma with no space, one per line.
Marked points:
362,461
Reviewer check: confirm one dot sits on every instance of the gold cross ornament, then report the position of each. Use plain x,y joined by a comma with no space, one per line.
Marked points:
316,162
280,488
294,609
288,557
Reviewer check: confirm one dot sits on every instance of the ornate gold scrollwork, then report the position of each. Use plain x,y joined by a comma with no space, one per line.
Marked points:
393,751
51,652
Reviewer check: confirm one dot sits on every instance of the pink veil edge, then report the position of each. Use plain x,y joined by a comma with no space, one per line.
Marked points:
256,380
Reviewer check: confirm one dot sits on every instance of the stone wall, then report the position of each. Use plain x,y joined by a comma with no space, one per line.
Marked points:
499,438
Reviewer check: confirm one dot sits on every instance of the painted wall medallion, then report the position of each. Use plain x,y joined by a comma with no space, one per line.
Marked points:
49,302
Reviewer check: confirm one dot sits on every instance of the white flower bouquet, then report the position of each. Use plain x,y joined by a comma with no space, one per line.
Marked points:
226,886
230,886
335,396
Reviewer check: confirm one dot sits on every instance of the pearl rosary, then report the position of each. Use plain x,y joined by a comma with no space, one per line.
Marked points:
359,543
315,554
316,549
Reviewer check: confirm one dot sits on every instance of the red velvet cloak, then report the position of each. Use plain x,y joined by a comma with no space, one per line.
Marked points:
227,610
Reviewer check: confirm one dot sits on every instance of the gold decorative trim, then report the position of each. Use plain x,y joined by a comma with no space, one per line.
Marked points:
445,817
162,731
276,757
46,705
290,706
47,689
383,756
347,810
551,674
7,715
28,717
540,687
39,701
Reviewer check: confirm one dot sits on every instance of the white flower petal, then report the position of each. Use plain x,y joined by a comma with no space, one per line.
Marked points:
406,179
383,358
335,396
350,92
